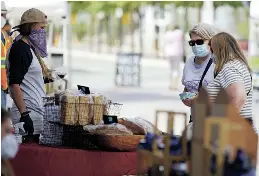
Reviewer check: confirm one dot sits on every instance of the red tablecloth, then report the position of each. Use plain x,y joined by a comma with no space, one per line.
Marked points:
36,160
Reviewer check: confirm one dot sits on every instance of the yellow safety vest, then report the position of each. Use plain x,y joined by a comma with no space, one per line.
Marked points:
4,47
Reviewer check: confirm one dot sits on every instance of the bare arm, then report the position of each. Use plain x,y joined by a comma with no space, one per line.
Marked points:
236,94
9,167
17,96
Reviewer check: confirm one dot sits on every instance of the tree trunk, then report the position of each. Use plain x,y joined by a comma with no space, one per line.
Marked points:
108,33
120,34
186,25
186,21
199,14
140,33
132,26
99,31
215,9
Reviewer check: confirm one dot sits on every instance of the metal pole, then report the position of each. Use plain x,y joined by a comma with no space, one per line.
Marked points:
51,29
67,44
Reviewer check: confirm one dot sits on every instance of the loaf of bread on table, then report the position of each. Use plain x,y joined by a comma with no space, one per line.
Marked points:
98,108
84,110
112,129
69,109
146,125
135,128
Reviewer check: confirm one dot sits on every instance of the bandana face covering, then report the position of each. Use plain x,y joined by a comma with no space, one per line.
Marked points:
39,48
38,40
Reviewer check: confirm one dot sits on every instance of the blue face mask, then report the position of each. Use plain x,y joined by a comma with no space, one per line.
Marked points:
200,50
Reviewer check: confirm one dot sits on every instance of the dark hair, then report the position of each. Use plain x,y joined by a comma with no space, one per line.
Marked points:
25,29
4,115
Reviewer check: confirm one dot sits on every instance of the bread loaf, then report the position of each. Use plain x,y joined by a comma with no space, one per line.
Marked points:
146,125
135,128
69,110
84,111
113,129
98,109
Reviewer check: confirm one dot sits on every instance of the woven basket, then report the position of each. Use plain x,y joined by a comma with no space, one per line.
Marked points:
116,142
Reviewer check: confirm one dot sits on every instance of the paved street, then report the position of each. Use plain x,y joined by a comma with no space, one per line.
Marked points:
98,71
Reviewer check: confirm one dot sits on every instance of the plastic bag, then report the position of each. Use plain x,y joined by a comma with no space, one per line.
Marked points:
112,129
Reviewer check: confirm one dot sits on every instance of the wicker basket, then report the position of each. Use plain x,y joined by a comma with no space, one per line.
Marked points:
116,142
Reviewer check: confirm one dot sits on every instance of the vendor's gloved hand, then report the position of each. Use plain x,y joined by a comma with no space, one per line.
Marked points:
28,123
48,80
6,91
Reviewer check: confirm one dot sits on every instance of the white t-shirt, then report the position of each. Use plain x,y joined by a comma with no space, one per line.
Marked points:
193,72
174,41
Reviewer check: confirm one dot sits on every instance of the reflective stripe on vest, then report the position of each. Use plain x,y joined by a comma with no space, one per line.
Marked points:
3,62
4,48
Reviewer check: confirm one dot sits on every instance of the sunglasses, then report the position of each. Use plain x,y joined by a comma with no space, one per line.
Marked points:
197,42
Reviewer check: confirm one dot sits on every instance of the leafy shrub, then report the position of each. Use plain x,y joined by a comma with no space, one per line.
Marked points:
80,30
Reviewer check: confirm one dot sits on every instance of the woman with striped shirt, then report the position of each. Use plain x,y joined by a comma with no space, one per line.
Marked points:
232,73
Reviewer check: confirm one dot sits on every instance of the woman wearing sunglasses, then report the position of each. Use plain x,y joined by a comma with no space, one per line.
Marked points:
232,73
199,69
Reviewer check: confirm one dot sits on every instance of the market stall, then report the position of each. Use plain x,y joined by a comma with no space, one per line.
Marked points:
82,135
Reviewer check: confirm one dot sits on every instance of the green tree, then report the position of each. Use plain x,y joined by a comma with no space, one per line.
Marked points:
186,5
233,4
93,8
80,31
242,28
132,7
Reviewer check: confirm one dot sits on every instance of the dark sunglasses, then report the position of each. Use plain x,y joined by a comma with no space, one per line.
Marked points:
197,42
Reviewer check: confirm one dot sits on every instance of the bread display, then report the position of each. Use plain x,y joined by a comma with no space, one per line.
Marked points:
69,109
113,129
78,108
146,125
85,110
99,108
135,128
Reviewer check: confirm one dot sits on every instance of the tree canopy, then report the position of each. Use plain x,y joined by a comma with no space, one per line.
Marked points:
109,7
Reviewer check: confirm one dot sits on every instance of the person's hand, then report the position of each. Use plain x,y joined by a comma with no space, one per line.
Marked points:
28,123
48,80
6,91
189,101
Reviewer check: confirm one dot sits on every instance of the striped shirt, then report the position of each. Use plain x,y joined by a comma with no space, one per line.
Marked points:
233,72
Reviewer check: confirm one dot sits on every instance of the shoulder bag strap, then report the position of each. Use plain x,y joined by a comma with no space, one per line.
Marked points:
204,73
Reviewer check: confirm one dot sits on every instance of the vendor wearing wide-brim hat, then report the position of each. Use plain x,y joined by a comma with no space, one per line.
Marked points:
27,71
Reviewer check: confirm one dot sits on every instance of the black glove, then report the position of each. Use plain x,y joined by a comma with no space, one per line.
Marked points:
6,91
48,80
28,123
